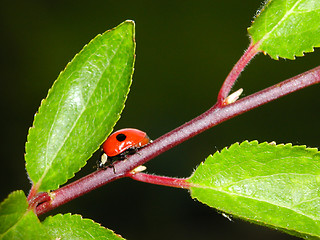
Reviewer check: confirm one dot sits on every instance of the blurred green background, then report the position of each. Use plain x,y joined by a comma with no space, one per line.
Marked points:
185,49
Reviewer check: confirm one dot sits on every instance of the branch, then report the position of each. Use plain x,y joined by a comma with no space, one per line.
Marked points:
210,118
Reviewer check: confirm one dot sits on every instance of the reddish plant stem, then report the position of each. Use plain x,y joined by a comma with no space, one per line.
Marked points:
79,188
160,180
210,118
38,199
235,72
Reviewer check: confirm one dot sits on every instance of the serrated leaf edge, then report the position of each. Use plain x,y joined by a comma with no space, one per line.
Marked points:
79,217
256,143
258,43
39,112
272,143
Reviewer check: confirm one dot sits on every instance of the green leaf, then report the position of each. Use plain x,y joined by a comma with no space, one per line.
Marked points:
272,185
17,222
81,108
75,227
287,28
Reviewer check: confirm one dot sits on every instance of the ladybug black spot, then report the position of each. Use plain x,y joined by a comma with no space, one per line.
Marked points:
121,137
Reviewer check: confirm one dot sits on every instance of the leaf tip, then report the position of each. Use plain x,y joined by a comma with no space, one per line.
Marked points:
130,21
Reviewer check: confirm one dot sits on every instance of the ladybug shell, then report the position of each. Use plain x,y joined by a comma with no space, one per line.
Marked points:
122,140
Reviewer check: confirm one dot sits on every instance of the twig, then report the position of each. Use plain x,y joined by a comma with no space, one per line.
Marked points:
210,118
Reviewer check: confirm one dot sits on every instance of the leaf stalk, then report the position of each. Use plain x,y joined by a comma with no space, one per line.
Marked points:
252,50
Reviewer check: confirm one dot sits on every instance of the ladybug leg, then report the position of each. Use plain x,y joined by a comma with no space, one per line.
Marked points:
107,165
131,151
112,166
108,162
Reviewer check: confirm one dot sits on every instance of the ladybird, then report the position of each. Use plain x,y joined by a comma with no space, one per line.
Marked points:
121,144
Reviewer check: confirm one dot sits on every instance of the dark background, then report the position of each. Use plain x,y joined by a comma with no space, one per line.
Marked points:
185,49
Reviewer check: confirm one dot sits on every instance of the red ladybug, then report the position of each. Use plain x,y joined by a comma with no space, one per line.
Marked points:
122,143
